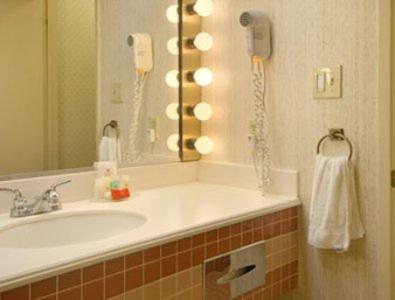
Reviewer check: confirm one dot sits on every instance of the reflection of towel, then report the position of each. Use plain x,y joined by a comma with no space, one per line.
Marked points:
110,149
334,215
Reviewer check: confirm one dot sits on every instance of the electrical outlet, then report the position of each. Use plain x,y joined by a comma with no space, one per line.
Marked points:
117,92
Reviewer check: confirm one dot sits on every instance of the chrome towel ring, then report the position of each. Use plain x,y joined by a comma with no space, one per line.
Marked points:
336,134
114,125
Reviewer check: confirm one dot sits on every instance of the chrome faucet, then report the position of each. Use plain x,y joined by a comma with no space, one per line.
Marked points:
45,203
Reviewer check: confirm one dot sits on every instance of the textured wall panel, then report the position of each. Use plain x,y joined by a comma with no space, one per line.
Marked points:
306,34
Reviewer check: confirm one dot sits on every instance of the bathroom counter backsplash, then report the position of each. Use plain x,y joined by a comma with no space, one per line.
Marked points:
183,216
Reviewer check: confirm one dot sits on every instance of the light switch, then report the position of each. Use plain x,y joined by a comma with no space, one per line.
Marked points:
328,83
321,78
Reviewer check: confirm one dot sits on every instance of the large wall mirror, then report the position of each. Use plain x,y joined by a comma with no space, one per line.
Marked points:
70,84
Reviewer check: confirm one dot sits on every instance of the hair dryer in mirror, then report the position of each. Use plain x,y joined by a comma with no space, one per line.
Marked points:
258,34
143,64
142,45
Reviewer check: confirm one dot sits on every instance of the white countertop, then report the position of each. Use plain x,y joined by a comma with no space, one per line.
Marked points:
172,212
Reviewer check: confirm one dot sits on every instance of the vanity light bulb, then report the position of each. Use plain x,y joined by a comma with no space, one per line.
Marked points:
172,14
203,111
172,142
203,41
203,76
172,46
172,79
204,8
172,111
204,145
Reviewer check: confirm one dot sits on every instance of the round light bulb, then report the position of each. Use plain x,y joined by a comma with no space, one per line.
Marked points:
172,46
203,41
204,8
204,145
172,14
203,76
172,111
203,111
172,79
172,142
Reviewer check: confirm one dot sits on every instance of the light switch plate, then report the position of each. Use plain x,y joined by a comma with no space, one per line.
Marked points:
328,83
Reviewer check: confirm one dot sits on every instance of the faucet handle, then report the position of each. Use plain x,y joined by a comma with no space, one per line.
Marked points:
56,185
16,192
20,203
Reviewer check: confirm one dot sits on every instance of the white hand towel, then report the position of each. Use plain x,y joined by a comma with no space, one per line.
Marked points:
110,149
334,214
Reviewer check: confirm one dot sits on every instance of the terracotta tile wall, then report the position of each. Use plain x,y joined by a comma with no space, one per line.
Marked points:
174,270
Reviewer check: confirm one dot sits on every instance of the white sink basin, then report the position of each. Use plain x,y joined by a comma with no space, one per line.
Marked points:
68,228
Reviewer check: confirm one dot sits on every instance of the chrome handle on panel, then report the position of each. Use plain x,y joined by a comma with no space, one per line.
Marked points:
235,274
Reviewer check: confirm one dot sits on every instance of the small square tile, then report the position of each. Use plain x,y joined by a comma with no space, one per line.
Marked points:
70,279
224,232
224,246
257,223
257,235
211,250
184,260
185,295
134,259
43,288
71,294
247,238
168,265
134,278
211,236
169,286
93,272
196,275
184,244
114,285
152,291
197,256
19,293
114,265
93,290
183,280
168,249
197,292
152,254
246,225
151,272
235,229
235,242
198,240
136,294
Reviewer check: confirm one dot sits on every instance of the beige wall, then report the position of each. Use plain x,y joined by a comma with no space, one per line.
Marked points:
306,34
22,96
72,40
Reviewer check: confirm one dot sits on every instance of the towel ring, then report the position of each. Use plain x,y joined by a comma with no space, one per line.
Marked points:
337,135
114,125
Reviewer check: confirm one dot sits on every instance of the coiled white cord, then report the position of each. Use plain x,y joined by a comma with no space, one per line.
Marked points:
260,128
134,155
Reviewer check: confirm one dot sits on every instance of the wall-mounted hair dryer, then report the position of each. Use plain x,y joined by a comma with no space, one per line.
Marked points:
142,45
258,33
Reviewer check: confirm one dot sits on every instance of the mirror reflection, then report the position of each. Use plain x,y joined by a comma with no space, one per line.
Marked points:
82,81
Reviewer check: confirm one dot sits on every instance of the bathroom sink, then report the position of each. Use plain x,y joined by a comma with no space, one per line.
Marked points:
68,229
